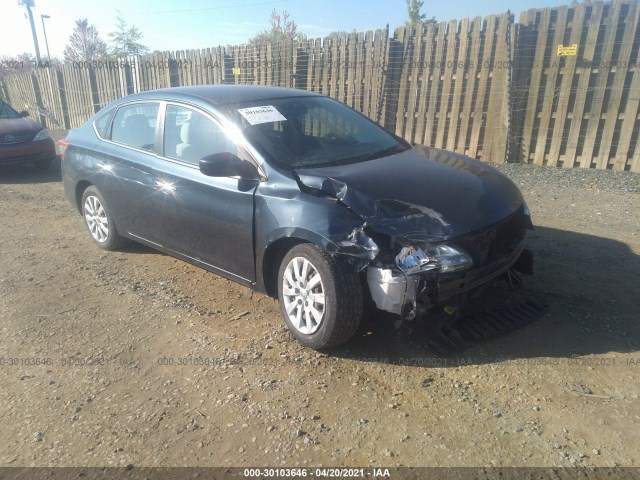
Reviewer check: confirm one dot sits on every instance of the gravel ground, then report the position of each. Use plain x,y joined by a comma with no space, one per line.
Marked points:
111,359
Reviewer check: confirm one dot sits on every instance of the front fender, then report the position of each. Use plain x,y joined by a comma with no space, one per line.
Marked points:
319,220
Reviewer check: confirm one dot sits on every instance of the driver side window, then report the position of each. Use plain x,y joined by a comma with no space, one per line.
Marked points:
190,136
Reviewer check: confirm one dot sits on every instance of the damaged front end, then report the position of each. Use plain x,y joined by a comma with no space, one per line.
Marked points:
446,276
427,246
397,289
411,280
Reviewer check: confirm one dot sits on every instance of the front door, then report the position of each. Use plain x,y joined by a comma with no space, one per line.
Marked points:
209,220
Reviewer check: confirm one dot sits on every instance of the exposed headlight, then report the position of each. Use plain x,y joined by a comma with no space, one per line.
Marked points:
450,259
41,135
444,258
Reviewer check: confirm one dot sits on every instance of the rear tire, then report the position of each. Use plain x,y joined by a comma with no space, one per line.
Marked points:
99,221
320,297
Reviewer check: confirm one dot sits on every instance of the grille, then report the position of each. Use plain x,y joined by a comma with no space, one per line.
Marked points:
492,244
12,139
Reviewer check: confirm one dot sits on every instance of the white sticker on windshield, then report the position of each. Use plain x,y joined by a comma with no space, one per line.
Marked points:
263,114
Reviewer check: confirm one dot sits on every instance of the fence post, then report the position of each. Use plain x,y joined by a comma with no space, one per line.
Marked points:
382,64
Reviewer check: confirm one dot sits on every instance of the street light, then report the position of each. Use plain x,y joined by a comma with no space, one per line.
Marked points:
42,17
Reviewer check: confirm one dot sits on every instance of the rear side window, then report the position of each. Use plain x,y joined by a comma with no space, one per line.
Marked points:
135,125
102,124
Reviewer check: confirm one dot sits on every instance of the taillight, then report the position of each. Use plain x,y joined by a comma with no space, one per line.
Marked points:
62,147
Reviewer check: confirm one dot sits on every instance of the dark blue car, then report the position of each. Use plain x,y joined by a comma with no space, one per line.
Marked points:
298,196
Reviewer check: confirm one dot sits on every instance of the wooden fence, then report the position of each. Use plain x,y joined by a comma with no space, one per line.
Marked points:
489,88
583,109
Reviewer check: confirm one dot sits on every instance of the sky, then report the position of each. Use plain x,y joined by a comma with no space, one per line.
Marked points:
187,24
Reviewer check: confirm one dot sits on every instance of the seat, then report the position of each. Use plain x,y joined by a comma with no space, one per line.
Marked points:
201,137
136,132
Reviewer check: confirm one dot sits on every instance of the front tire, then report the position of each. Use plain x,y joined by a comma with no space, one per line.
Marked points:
99,221
320,297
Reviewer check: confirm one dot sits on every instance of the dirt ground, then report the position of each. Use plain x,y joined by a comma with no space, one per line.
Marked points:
111,359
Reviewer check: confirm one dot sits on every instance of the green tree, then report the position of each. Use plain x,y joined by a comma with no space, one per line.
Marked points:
415,17
282,30
84,43
125,40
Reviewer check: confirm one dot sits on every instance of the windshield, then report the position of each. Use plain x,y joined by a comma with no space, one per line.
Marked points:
312,132
7,112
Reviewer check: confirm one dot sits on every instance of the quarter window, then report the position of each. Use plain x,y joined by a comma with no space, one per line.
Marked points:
190,136
135,125
102,124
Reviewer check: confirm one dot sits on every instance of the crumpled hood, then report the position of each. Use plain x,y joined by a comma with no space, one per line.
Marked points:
420,195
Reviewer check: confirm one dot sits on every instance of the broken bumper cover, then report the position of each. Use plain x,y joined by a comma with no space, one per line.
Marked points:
396,292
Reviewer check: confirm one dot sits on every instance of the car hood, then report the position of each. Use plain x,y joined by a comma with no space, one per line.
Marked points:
420,195
18,126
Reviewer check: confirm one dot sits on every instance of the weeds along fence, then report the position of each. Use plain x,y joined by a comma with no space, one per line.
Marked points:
559,88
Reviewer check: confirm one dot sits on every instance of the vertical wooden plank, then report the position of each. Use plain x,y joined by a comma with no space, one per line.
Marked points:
403,76
326,66
568,74
351,69
269,59
416,88
612,109
358,80
447,75
599,87
341,69
551,73
536,76
421,82
380,44
458,72
311,65
479,117
631,112
471,78
429,91
426,124
369,48
494,143
577,116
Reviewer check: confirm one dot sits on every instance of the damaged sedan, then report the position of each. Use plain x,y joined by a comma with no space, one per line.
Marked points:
298,196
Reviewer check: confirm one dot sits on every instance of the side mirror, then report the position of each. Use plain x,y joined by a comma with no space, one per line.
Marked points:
24,113
227,164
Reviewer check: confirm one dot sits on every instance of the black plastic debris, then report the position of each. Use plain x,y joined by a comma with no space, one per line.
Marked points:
448,337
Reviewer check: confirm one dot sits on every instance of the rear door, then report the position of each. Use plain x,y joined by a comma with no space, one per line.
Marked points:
124,166
207,219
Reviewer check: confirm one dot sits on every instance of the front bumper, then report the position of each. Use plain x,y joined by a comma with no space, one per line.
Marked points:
394,292
28,152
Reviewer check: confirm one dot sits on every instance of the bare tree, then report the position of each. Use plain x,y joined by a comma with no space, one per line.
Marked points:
282,29
16,64
84,43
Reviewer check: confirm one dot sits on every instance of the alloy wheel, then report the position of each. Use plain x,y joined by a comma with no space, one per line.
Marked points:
303,295
96,218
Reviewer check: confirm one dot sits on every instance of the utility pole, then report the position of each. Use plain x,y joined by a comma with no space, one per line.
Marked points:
46,42
29,4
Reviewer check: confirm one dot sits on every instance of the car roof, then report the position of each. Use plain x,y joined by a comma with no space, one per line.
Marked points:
222,94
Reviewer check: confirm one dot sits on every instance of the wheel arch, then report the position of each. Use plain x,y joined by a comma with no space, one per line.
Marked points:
80,188
278,248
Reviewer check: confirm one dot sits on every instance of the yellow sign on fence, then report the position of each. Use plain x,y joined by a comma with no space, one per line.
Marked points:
236,70
569,51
